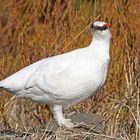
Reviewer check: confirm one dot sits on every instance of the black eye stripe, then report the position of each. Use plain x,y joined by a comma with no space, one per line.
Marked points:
101,28
104,27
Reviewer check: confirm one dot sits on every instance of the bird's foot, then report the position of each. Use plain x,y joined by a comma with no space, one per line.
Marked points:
66,122
58,116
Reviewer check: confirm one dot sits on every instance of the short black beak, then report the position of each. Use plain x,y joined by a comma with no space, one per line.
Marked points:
92,26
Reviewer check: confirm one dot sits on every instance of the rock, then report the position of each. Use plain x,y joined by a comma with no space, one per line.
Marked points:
88,121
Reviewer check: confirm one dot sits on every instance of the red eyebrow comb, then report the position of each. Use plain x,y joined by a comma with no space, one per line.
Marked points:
107,25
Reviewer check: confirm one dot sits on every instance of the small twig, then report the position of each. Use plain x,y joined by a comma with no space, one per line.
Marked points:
100,135
133,116
45,131
3,114
16,134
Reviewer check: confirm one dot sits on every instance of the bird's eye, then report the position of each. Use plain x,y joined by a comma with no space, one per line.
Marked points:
104,27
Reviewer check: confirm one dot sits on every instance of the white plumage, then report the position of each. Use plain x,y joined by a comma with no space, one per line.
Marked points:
65,79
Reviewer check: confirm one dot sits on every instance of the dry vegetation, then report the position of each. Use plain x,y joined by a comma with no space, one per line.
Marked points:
31,30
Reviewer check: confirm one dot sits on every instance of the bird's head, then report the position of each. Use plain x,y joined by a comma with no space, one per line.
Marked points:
100,30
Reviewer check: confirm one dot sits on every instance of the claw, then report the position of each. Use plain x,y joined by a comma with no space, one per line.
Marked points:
67,123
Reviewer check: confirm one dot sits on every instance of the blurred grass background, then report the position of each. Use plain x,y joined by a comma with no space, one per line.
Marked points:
32,30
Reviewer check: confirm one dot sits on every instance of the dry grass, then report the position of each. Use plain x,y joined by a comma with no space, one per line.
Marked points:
31,30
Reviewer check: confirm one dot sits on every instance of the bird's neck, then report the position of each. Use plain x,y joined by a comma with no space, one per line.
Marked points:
100,47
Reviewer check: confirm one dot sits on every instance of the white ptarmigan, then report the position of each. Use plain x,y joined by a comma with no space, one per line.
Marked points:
65,79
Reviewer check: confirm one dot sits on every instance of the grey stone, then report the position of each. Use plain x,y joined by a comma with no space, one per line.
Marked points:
85,120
